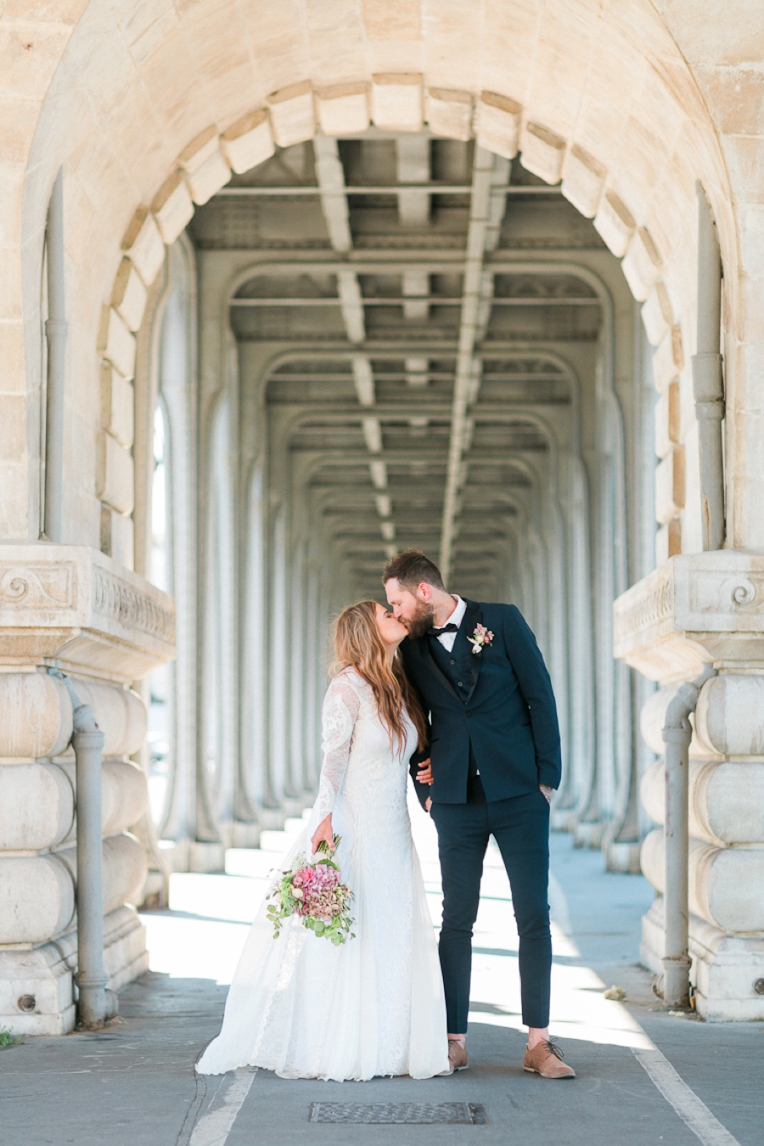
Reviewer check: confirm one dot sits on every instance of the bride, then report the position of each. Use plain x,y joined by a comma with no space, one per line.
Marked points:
298,1005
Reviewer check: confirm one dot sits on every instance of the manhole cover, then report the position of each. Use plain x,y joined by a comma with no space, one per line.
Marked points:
466,1113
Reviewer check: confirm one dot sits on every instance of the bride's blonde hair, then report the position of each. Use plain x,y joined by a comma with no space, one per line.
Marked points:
358,645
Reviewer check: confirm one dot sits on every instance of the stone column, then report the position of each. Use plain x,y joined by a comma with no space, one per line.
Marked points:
104,626
708,608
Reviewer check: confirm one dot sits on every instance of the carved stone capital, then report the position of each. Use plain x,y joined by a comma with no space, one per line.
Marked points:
75,605
696,608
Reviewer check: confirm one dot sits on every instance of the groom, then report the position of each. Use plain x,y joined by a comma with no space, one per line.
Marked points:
494,761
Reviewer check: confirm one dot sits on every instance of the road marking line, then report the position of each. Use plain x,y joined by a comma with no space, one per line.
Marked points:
691,1109
213,1128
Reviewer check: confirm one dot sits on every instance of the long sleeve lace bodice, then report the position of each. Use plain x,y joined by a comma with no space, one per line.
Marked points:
339,714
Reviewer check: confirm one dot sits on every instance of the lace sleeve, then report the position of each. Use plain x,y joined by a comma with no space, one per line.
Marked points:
338,717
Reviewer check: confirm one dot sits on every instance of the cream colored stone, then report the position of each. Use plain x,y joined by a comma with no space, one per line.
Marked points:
542,152
36,898
343,108
667,420
663,442
669,485
117,536
668,360
115,482
615,224
121,715
642,264
117,405
144,244
173,207
652,790
726,884
37,892
662,545
124,870
201,148
248,142
76,605
497,124
730,715
449,112
125,796
657,314
583,181
43,972
392,19
653,719
35,712
206,180
46,972
718,814
698,607
293,117
36,806
129,295
115,342
396,101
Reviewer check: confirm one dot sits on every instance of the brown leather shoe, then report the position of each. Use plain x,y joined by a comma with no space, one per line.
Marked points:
546,1059
457,1055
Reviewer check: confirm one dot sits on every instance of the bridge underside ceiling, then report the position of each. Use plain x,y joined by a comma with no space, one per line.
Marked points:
423,297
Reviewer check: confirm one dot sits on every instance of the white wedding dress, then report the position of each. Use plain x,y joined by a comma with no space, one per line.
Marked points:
304,1008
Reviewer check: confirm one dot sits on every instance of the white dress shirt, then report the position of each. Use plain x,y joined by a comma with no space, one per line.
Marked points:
447,639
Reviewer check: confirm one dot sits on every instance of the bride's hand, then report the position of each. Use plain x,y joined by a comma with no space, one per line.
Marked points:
323,832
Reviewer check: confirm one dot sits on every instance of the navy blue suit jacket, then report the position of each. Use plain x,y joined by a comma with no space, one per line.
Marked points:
505,710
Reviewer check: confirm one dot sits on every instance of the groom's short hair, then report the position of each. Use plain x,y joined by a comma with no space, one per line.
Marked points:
410,568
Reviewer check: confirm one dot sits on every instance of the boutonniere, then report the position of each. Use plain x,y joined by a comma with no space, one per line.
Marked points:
480,638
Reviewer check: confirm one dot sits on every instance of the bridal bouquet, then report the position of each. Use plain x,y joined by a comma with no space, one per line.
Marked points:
314,891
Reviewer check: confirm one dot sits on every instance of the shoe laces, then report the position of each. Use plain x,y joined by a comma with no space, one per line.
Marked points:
552,1048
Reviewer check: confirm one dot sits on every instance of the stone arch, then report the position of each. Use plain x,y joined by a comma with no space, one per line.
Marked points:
597,97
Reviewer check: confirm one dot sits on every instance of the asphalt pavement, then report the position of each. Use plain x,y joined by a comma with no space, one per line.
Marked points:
644,1076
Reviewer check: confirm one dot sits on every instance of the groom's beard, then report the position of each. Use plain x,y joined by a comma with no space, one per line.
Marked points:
422,621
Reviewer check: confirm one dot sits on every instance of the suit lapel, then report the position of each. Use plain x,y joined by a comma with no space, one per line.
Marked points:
431,664
463,649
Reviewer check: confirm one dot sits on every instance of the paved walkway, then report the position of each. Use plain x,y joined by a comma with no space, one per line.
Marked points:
643,1075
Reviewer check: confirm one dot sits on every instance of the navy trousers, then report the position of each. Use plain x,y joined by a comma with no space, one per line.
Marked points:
520,827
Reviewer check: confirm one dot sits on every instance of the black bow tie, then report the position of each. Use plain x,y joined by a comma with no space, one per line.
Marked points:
449,628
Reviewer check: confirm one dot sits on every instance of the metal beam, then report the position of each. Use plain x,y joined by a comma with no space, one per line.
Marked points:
466,367
405,301
331,178
431,188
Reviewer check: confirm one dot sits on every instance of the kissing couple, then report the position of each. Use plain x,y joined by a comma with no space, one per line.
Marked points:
458,694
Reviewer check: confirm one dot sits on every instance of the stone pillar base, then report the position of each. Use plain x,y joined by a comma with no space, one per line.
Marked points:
562,819
622,857
724,967
245,835
588,833
47,974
